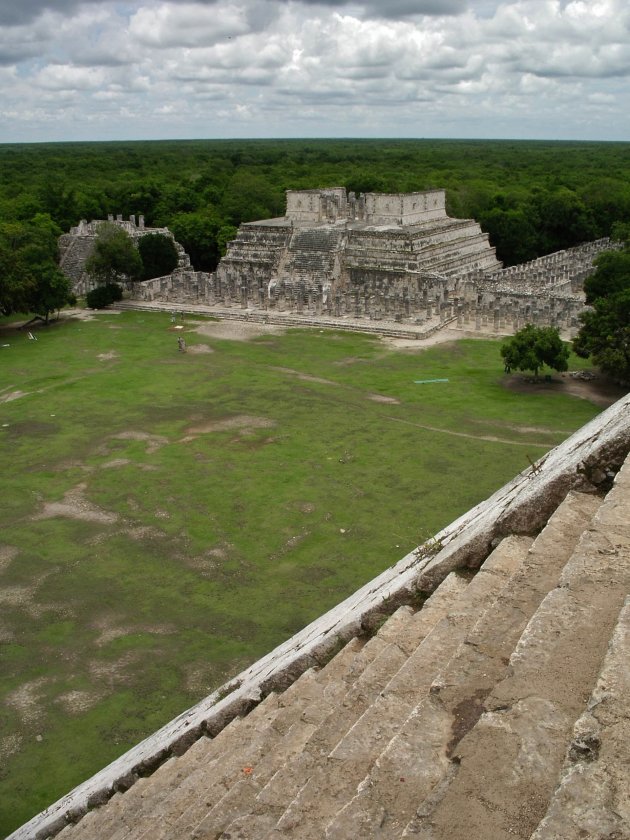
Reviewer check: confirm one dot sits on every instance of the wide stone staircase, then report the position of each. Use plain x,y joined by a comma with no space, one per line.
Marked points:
498,708
309,260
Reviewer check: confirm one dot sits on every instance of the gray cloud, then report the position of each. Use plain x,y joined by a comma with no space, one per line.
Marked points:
151,68
396,9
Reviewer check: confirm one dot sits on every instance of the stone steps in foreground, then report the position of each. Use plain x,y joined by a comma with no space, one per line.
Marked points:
418,757
142,805
256,735
273,782
507,767
593,798
333,781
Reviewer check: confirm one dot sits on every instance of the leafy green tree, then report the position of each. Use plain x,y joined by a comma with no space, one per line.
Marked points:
561,219
611,275
102,296
249,197
115,259
16,281
605,331
199,234
159,255
534,347
512,234
30,278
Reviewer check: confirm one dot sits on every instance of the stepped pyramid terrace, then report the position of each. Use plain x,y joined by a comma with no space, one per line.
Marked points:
385,259
477,690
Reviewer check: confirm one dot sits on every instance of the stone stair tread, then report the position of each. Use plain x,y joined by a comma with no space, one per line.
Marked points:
200,791
286,781
417,757
333,782
179,774
242,793
593,797
514,753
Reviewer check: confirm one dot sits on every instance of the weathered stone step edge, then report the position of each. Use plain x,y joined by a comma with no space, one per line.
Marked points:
587,800
532,711
164,817
396,639
338,771
522,505
419,751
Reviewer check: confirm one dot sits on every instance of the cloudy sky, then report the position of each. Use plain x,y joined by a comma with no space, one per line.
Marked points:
105,70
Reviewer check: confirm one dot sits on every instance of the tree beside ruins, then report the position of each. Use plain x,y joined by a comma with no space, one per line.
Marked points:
115,259
158,254
605,331
534,347
30,277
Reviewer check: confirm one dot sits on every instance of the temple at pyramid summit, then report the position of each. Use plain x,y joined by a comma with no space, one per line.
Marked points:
331,243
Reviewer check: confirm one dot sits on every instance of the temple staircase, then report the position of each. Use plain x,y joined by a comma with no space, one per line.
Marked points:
497,708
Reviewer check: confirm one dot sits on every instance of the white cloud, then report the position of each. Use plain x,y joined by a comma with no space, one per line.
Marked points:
272,67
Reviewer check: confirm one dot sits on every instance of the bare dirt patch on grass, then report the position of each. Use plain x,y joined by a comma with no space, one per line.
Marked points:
116,462
236,330
440,337
88,314
108,357
12,395
8,553
243,423
116,672
110,628
10,745
6,635
200,348
27,700
598,390
381,398
76,506
76,702
154,442
145,532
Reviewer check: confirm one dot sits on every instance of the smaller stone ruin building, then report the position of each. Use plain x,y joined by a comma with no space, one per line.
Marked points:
75,248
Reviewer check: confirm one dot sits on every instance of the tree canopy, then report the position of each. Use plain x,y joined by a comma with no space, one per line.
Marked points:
530,197
605,331
534,347
115,259
30,278
158,254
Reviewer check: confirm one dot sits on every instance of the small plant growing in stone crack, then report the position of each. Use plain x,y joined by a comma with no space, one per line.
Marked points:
429,548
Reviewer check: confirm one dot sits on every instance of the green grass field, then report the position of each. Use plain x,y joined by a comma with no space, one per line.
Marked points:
168,518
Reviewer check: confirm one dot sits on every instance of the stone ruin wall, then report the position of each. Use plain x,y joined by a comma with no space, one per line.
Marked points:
547,291
76,246
322,260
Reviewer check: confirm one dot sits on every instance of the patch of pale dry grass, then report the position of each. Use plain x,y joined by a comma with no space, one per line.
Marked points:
8,553
243,423
13,395
76,702
27,700
75,506
236,330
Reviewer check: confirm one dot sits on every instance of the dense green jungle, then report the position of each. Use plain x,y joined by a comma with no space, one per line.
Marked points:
531,197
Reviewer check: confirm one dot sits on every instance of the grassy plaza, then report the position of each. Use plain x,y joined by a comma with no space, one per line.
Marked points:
170,517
